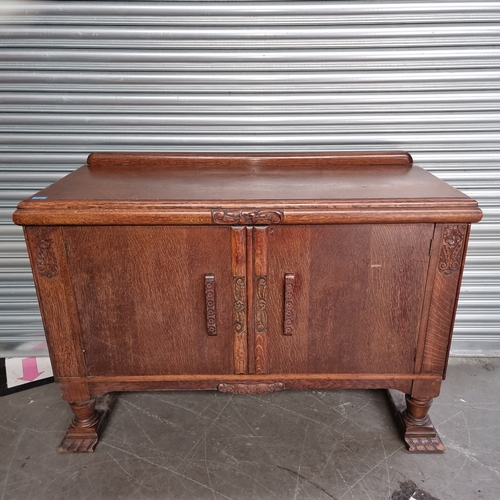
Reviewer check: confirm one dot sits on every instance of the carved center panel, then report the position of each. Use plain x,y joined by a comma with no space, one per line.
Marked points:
247,216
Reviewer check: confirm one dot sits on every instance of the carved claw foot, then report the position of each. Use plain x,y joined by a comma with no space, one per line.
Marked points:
87,425
419,433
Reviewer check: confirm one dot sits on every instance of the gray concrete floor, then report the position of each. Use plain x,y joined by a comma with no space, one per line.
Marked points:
310,445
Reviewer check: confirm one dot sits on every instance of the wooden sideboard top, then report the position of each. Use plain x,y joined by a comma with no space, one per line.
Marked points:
178,188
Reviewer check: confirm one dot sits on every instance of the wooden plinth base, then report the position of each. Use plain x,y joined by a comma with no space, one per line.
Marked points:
81,439
420,435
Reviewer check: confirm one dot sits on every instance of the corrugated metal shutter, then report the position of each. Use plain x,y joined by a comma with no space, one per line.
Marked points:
421,76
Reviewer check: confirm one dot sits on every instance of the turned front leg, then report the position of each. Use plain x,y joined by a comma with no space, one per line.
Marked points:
417,410
86,416
87,424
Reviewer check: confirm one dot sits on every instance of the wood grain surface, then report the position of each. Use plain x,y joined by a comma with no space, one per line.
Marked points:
230,160
358,297
450,249
248,273
58,305
141,298
247,189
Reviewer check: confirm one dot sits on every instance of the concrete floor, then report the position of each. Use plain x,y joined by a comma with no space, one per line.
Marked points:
310,445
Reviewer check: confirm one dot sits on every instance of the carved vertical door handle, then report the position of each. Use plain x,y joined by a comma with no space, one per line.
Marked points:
210,304
289,304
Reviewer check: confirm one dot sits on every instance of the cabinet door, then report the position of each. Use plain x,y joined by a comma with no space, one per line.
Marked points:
141,294
345,298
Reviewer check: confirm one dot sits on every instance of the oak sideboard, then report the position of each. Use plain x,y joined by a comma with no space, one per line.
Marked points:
248,273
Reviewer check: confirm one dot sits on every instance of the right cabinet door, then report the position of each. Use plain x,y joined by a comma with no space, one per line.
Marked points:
346,298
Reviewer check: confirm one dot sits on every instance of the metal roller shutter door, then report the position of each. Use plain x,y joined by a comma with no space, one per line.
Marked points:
77,77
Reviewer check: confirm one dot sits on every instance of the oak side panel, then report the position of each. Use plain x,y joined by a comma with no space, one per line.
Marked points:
141,298
451,250
57,304
429,290
358,297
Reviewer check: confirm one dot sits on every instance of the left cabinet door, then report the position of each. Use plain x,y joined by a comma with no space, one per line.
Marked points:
145,298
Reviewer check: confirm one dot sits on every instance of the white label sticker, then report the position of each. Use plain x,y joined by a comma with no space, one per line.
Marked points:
25,370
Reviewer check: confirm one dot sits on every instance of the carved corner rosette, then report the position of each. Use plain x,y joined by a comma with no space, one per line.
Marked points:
251,388
44,255
247,216
452,247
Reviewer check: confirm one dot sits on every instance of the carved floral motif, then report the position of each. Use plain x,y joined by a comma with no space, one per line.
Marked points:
239,304
247,216
260,304
450,257
239,324
45,257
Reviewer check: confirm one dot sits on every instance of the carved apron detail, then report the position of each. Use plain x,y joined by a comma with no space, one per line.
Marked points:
45,257
247,216
251,388
450,256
